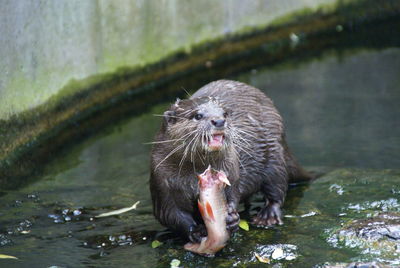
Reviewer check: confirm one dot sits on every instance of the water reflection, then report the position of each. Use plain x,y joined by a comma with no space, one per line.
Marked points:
339,112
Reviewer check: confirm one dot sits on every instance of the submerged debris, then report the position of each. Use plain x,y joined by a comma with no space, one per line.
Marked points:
309,214
336,188
118,211
286,252
3,256
262,259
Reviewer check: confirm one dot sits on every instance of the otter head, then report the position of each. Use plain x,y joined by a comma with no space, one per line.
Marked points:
200,123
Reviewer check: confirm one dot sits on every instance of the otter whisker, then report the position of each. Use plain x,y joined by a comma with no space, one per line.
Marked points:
188,112
172,116
238,159
243,147
243,132
240,141
238,129
245,151
189,145
165,141
192,146
194,151
182,160
171,153
189,133
187,93
200,157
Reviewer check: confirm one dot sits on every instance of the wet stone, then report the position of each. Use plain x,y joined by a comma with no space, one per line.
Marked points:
4,240
77,212
67,215
22,227
278,252
378,235
356,265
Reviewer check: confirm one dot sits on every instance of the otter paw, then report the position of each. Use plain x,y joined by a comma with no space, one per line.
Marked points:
196,233
232,220
269,215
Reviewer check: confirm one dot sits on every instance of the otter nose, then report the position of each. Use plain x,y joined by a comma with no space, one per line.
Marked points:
218,122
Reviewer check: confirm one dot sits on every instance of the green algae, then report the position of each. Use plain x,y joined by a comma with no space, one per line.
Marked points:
45,45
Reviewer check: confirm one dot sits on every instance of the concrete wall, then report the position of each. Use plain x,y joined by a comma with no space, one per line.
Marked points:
46,44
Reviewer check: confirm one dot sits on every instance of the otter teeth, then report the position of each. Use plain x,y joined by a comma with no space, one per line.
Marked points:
216,140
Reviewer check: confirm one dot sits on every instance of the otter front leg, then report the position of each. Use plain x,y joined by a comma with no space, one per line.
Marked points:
233,218
176,213
274,191
187,227
270,214
182,223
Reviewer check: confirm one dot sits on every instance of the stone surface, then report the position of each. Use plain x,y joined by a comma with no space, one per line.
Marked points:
377,235
356,265
46,44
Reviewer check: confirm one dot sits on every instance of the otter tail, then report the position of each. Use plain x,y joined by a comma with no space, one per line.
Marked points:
298,175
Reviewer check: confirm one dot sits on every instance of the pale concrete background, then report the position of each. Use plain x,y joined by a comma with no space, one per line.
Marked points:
44,44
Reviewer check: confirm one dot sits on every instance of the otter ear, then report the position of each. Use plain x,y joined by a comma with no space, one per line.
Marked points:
170,117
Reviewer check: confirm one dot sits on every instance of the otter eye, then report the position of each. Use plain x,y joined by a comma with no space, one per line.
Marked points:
198,116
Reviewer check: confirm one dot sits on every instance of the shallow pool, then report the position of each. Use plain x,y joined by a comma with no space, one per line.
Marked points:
342,119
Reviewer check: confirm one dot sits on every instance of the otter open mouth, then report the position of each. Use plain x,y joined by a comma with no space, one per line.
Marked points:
216,142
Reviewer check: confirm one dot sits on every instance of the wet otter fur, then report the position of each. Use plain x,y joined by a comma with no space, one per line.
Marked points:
236,129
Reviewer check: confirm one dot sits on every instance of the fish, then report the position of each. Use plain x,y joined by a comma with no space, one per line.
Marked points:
214,210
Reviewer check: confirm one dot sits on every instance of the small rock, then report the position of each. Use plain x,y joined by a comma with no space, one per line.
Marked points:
277,254
355,265
290,257
77,212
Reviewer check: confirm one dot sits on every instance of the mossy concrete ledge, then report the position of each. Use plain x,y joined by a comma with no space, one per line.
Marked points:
85,106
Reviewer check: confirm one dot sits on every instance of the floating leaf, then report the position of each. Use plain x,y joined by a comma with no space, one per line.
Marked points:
175,263
2,256
261,258
244,225
156,244
118,211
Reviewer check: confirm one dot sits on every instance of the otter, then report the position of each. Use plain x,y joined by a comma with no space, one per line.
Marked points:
234,128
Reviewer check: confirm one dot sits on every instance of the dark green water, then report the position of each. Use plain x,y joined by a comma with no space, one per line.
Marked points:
342,117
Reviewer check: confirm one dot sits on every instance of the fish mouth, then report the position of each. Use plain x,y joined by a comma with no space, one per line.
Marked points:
216,141
212,176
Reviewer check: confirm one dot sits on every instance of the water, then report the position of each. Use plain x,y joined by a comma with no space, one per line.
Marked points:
341,111
341,114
